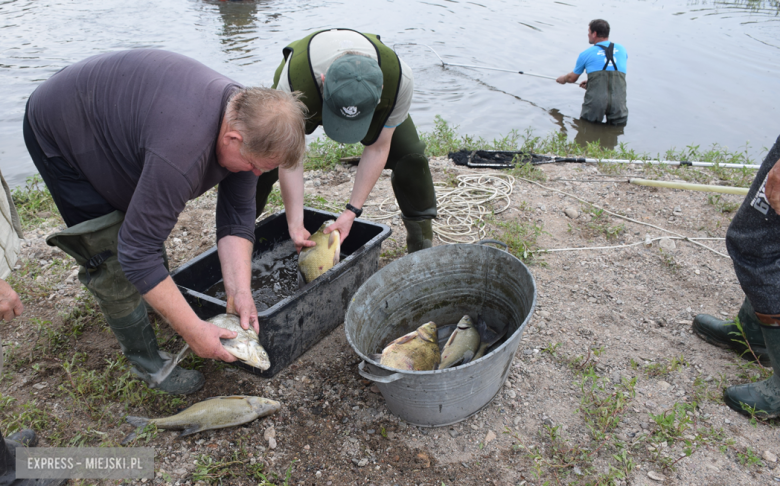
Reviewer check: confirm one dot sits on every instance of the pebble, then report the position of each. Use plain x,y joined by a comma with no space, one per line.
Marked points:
655,476
528,352
571,212
453,433
517,420
769,456
490,437
544,314
511,394
615,377
664,385
272,443
270,433
667,244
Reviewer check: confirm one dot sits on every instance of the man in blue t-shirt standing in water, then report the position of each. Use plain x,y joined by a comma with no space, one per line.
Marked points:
605,63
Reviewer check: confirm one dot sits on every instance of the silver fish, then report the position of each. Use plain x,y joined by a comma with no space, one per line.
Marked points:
245,346
462,344
213,413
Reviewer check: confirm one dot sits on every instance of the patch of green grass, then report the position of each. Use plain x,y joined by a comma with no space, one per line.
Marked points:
325,154
600,223
393,253
749,458
721,204
565,461
551,349
668,260
32,201
529,171
521,238
238,465
665,368
94,391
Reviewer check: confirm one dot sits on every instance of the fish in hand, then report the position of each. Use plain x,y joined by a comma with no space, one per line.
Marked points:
313,261
246,345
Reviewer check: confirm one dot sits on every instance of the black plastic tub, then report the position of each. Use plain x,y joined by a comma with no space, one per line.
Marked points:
293,325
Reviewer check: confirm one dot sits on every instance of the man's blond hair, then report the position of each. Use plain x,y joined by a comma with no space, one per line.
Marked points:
272,124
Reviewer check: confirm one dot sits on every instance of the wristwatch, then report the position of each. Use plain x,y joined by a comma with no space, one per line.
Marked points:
355,210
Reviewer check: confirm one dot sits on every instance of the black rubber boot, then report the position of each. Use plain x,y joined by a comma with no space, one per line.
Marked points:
761,398
139,344
8,447
726,335
419,234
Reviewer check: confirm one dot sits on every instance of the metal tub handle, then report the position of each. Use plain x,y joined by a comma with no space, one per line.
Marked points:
379,379
494,242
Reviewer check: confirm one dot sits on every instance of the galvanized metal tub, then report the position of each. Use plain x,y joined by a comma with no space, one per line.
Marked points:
441,284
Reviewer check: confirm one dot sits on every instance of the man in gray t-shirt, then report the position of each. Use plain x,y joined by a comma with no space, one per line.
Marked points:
123,140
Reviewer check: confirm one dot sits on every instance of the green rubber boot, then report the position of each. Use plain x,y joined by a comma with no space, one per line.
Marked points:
726,335
93,244
419,234
761,398
157,368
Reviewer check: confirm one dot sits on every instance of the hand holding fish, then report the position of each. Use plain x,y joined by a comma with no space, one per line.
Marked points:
343,224
243,306
300,238
204,340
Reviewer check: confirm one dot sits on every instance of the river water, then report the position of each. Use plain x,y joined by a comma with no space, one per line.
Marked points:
699,72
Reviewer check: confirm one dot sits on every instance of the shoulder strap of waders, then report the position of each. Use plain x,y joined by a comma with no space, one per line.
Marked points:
609,52
301,71
300,76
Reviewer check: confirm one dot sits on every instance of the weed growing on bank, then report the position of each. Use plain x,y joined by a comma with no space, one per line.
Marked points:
609,455
33,202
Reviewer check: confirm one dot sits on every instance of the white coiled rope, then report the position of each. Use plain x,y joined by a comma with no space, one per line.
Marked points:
461,209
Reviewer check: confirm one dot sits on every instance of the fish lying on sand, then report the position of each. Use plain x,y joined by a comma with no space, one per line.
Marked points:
212,413
315,260
416,351
245,346
462,344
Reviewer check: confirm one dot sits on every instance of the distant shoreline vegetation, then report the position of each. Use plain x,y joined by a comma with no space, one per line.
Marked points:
324,154
35,204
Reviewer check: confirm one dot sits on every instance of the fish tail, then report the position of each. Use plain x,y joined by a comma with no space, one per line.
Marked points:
137,421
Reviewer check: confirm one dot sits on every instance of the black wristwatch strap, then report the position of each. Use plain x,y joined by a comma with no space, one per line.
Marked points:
355,210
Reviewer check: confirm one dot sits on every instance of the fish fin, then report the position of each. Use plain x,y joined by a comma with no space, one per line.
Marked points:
481,328
230,397
130,437
452,337
137,421
192,428
467,356
481,351
332,237
375,357
301,279
404,339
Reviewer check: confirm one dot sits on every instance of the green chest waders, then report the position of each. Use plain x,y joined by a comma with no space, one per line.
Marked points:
93,244
606,93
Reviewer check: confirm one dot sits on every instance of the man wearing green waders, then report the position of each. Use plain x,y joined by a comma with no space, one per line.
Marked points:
605,63
359,91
